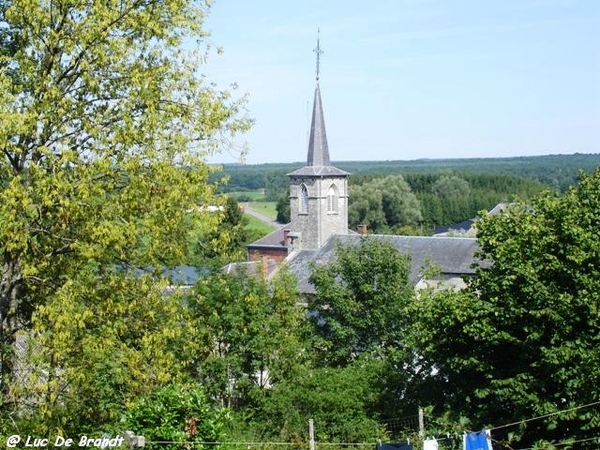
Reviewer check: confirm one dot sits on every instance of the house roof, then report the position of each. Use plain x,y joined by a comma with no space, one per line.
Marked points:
273,239
465,225
452,256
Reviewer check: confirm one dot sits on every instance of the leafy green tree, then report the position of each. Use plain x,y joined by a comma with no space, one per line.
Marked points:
523,342
103,340
451,187
383,204
283,209
226,242
342,401
360,303
104,129
252,329
177,414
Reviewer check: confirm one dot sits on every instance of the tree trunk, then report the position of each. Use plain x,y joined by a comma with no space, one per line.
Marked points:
11,321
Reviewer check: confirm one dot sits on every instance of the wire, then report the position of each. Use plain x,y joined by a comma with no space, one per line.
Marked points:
568,442
262,443
544,416
371,443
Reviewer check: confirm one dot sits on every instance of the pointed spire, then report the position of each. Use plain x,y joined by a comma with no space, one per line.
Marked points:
318,150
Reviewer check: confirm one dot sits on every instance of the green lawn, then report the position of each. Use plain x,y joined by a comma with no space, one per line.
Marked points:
255,196
257,228
266,208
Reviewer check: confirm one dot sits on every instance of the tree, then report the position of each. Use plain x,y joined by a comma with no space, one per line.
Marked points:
342,401
523,341
110,337
252,330
177,414
384,204
360,302
104,127
226,242
283,209
451,187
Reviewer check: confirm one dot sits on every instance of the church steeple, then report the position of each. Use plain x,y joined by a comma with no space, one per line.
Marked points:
318,191
318,150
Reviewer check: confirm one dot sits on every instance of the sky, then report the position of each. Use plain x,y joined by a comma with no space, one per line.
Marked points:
411,79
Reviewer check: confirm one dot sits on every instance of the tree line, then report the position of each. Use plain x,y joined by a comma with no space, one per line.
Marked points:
418,203
105,129
239,358
556,171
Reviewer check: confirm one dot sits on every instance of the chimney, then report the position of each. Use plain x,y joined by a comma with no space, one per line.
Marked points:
286,237
264,265
362,229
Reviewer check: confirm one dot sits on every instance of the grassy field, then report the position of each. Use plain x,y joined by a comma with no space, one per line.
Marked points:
266,208
255,196
258,227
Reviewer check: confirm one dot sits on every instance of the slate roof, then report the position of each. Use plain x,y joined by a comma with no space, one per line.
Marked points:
451,255
318,171
273,239
317,161
465,225
318,149
252,268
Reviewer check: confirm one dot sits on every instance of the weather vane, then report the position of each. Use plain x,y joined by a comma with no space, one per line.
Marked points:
318,51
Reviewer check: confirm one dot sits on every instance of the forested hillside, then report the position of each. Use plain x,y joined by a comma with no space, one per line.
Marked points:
558,171
416,197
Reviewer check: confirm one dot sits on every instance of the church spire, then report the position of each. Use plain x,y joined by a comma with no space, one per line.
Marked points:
318,150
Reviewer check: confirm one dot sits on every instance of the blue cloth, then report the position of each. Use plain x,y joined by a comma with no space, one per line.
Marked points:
394,446
477,441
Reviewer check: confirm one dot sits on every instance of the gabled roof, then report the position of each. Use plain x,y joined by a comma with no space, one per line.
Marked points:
273,239
452,256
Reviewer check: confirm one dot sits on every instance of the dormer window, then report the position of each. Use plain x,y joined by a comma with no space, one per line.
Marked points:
303,199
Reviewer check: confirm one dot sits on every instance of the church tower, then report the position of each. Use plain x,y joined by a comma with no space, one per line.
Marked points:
318,191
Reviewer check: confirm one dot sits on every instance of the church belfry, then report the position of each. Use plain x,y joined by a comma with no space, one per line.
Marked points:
318,191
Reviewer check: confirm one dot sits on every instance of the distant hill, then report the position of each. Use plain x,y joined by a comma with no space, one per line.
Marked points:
557,171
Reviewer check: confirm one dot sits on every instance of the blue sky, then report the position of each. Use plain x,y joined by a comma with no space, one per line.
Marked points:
409,79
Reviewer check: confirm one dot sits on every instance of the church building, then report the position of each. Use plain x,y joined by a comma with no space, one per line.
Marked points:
319,219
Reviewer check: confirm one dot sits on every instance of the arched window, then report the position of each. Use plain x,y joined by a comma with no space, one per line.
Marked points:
332,199
303,199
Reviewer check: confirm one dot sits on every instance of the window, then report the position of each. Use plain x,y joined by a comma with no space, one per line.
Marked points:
303,199
332,199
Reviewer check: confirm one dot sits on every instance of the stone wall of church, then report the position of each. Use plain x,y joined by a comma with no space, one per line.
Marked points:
316,223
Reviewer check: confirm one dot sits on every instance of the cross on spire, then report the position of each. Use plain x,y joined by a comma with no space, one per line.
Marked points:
318,51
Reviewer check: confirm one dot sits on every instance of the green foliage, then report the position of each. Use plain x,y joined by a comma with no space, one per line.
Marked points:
524,341
360,302
250,324
256,228
383,204
176,413
226,242
341,401
556,171
105,125
451,187
283,209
